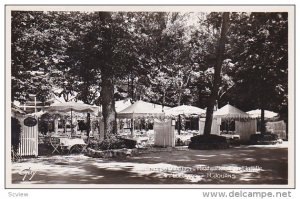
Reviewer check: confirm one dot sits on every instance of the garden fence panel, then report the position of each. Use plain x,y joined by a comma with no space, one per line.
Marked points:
164,133
28,140
278,128
245,128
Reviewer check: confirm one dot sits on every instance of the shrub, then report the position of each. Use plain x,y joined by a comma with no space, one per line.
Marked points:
208,142
234,141
179,142
112,143
208,139
15,134
267,138
43,127
93,143
130,144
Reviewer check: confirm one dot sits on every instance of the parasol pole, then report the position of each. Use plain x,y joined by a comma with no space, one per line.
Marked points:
34,104
71,123
132,127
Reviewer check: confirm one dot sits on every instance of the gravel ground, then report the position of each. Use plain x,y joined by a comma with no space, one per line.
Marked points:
238,165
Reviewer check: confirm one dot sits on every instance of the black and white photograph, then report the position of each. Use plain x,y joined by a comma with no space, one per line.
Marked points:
149,96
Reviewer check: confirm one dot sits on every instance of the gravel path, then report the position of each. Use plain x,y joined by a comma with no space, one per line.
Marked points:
239,165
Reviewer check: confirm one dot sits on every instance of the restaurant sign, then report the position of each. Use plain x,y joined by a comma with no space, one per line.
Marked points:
30,121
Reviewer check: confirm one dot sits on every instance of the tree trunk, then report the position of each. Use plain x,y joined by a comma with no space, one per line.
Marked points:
107,89
217,77
163,100
262,121
132,128
128,86
179,124
179,98
108,106
88,122
132,88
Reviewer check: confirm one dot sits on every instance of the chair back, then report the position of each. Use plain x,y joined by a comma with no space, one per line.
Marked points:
54,140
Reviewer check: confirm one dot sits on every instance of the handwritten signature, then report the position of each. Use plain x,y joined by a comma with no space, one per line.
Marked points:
27,172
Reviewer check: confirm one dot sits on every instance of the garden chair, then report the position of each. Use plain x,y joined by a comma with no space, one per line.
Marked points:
55,143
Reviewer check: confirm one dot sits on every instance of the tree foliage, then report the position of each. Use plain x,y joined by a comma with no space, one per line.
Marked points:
162,57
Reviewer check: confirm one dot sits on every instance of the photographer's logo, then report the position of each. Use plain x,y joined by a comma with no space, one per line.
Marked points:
27,173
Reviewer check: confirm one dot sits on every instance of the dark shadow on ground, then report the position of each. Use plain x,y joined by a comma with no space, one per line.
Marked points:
175,167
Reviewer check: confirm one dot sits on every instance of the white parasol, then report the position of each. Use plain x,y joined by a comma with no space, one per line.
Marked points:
184,110
257,113
70,107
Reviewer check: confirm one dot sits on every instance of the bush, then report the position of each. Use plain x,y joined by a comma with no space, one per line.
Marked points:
112,143
93,143
180,142
15,134
208,138
234,141
130,144
267,138
43,127
202,142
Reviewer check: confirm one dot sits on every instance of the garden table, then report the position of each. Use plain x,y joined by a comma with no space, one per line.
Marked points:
72,144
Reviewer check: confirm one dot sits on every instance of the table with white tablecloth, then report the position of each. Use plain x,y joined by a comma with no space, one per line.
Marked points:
72,143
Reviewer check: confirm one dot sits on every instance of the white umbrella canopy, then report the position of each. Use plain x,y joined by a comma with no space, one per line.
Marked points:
229,111
71,106
184,110
257,113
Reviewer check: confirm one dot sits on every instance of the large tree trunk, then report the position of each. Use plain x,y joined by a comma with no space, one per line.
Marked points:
108,106
107,86
217,77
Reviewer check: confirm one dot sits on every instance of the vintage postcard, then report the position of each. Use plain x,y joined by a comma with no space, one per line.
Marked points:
150,96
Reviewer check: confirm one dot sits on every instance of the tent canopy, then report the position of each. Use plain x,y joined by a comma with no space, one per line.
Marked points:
229,111
122,104
184,110
141,109
257,113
